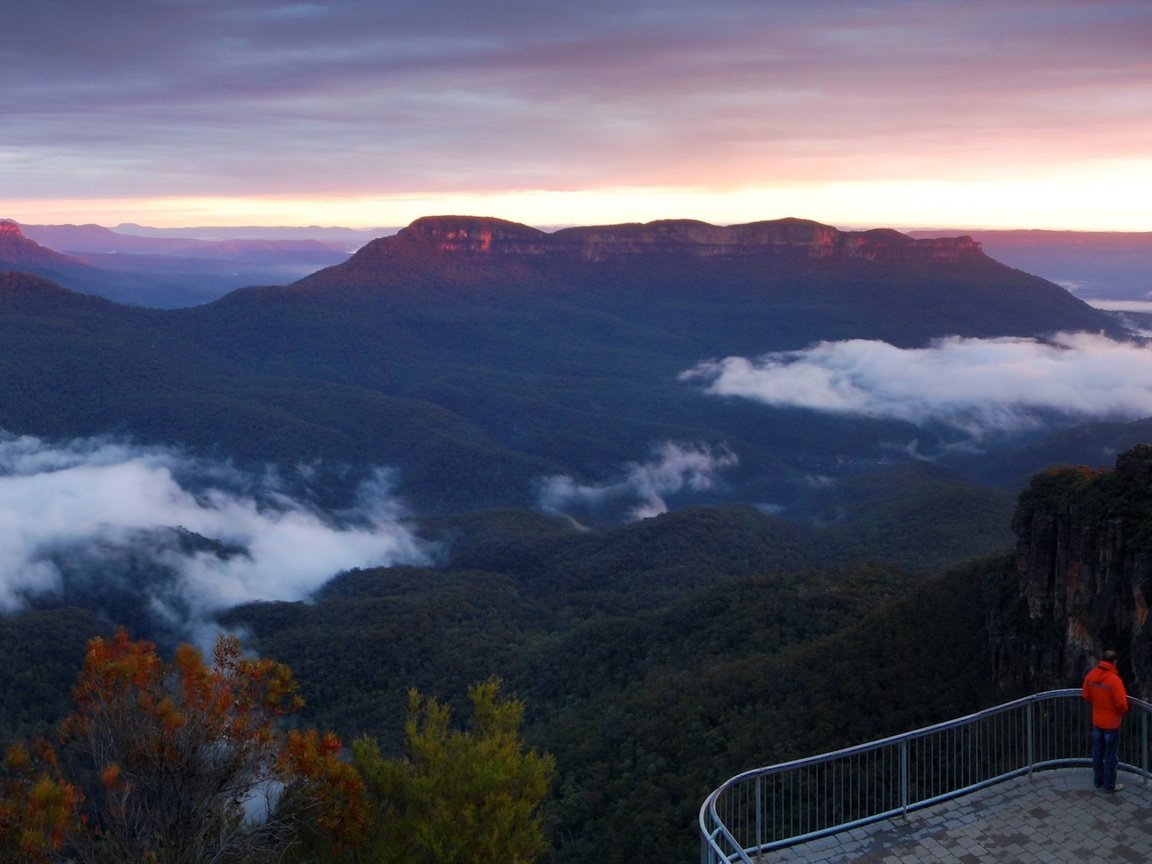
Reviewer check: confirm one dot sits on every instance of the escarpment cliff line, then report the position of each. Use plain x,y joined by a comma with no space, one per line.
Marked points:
793,238
1083,568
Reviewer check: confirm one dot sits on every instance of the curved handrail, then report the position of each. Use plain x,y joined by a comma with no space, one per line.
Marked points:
793,802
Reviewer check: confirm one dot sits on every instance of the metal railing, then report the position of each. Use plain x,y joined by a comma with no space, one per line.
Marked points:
794,802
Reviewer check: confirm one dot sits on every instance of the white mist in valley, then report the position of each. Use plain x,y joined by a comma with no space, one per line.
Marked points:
92,499
640,487
978,386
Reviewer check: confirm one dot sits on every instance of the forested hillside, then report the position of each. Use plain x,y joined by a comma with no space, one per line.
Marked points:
654,659
645,709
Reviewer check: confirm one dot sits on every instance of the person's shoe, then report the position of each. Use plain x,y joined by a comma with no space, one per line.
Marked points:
1115,788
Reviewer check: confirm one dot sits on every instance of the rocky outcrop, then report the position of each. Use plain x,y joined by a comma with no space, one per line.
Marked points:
1082,576
473,236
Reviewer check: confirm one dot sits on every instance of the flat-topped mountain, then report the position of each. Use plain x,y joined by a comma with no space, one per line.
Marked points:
791,238
743,288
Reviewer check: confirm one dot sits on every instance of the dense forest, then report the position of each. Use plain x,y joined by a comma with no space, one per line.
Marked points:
653,659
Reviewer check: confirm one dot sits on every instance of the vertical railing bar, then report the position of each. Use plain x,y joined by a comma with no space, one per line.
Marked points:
838,772
904,777
855,793
742,815
808,801
782,784
759,792
813,804
802,805
802,812
1031,752
1144,744
821,800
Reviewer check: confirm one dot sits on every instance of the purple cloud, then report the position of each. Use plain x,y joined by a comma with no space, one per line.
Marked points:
250,96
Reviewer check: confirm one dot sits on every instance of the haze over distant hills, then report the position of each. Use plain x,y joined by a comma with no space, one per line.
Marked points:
349,238
1094,265
169,269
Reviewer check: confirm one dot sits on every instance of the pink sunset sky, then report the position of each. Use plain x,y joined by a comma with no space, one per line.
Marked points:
901,113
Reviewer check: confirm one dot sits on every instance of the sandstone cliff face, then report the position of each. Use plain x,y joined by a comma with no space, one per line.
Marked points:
1083,569
794,238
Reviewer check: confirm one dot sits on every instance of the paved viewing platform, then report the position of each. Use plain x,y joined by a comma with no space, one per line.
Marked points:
1053,817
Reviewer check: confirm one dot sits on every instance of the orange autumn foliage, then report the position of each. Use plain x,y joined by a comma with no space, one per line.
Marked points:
186,751
38,808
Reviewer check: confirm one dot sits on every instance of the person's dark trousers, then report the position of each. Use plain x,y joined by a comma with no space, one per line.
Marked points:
1105,747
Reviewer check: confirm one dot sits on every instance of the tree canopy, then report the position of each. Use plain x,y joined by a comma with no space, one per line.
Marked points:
188,763
456,796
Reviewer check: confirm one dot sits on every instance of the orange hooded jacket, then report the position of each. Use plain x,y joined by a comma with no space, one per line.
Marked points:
1103,688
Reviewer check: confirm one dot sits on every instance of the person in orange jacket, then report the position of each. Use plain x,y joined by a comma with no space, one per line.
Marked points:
1104,690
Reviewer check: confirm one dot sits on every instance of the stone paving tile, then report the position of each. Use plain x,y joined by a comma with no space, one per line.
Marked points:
1054,817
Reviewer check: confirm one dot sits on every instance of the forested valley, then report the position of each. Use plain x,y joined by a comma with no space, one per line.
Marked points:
652,660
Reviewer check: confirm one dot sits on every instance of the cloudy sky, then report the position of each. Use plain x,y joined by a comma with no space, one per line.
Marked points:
908,113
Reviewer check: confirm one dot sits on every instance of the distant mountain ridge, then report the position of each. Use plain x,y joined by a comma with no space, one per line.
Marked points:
164,271
175,267
471,235
100,240
1111,265
18,252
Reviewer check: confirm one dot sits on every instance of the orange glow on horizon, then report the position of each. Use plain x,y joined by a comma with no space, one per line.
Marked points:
1111,200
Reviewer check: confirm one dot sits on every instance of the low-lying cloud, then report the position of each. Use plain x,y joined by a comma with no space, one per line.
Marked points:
978,386
90,500
642,487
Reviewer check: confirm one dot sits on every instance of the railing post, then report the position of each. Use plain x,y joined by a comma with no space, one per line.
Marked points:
1029,733
1144,743
904,776
759,811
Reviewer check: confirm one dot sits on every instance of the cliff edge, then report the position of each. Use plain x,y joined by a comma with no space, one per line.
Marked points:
1083,577
795,238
